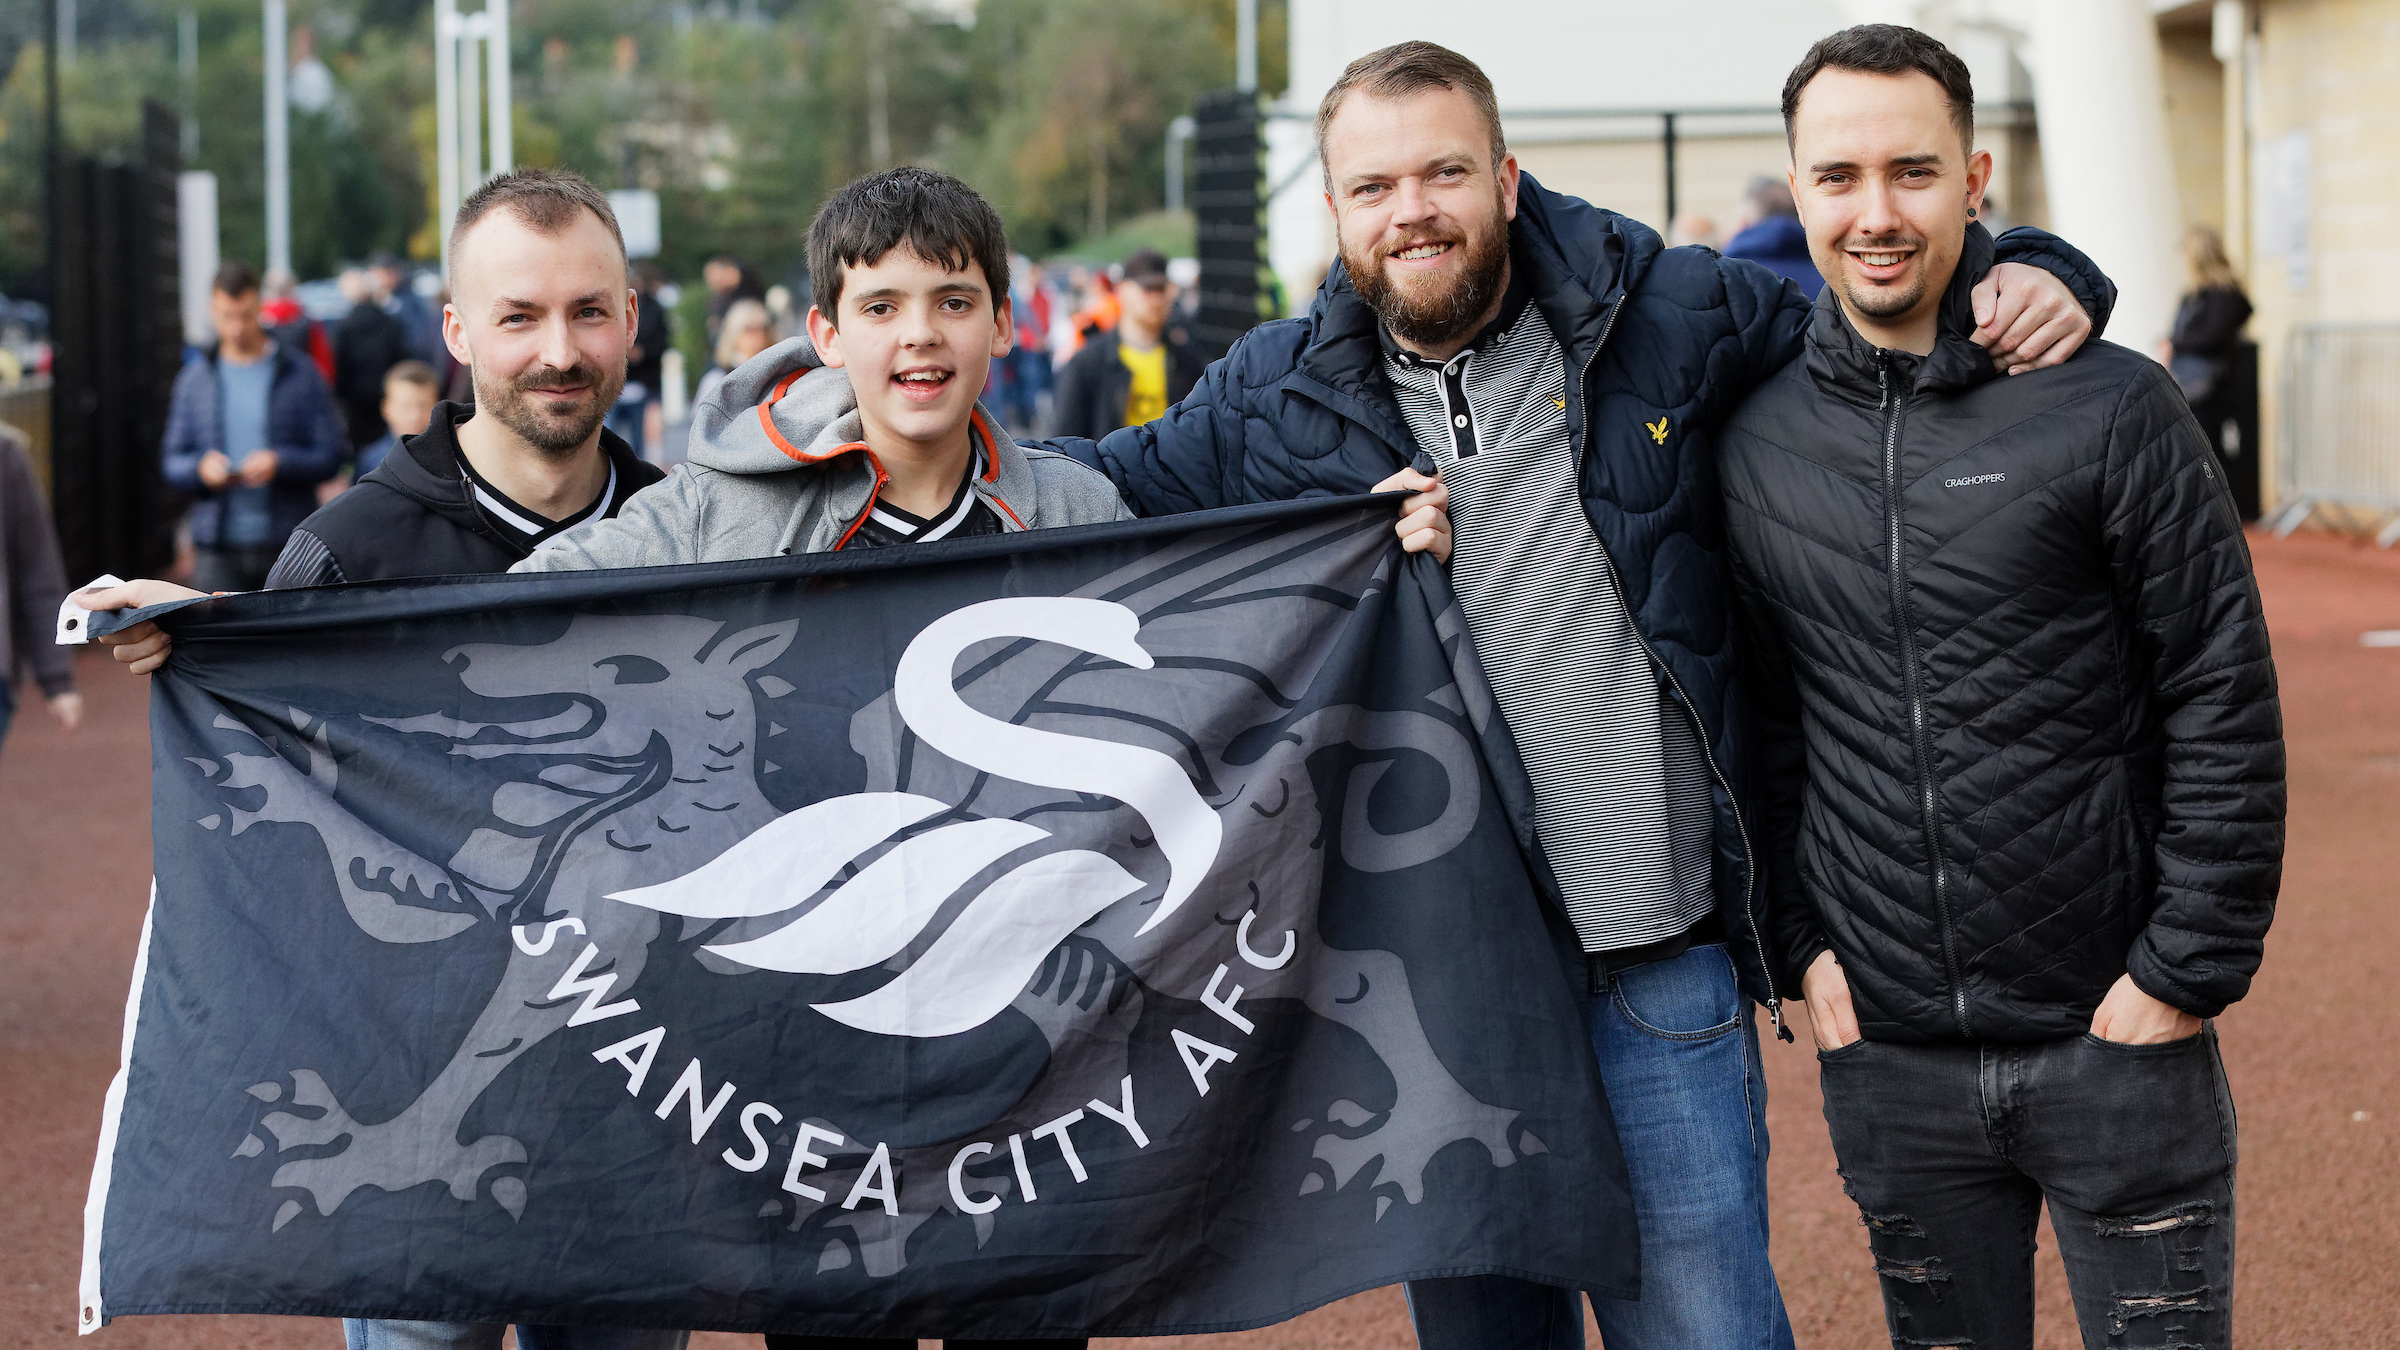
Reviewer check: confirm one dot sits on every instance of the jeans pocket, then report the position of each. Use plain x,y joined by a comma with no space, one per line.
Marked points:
2182,1045
1692,997
1851,1051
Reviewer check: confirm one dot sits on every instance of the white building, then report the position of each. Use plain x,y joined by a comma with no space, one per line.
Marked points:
1720,66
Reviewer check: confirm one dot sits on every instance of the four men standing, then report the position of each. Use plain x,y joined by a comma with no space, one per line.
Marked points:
2013,806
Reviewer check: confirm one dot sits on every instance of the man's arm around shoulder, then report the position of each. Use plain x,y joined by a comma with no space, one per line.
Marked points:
1190,459
2040,302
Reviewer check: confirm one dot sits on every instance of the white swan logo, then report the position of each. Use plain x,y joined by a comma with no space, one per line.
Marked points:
986,956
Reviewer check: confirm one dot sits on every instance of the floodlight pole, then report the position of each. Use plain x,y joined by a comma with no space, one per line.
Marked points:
279,143
1245,46
445,119
495,45
465,109
187,65
1179,134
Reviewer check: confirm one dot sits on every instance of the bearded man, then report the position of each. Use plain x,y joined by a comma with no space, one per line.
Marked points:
543,315
1565,374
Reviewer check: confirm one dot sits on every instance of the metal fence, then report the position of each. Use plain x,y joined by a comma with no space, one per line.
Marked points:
2341,424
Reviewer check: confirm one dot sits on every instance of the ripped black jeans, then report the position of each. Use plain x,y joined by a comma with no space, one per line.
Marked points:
1949,1151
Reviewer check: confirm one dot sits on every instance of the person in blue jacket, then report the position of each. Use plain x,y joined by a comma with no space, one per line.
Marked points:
251,431
1565,375
1775,238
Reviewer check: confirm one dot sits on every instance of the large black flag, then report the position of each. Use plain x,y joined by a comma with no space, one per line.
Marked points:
1113,930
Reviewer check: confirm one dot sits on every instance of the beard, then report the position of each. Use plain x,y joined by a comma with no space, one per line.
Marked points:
559,432
1432,310
1888,302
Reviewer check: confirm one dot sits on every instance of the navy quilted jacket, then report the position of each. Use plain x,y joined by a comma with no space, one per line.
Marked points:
1667,342
2018,731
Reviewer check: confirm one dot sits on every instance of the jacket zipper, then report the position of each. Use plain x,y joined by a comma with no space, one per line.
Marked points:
1699,725
1912,679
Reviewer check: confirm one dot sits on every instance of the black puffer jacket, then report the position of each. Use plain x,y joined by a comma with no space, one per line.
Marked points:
2018,724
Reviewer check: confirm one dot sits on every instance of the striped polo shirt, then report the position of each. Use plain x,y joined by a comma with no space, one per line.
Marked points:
1621,790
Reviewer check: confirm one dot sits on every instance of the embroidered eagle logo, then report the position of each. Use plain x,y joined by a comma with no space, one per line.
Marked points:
1657,430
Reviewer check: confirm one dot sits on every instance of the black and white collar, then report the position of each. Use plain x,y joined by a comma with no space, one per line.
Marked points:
908,527
530,528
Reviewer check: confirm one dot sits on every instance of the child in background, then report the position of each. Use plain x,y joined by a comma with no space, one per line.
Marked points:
410,389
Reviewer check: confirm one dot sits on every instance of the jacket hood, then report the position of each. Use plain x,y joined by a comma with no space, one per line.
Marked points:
781,409
425,466
1846,364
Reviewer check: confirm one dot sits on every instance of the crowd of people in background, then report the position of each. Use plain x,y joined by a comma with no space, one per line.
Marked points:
281,411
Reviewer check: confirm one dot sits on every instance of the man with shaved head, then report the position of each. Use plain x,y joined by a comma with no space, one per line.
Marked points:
542,312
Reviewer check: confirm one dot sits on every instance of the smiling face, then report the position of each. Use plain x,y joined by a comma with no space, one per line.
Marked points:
918,340
545,322
1421,213
1883,183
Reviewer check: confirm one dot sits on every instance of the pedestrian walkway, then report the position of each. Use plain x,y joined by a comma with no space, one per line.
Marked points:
2316,1074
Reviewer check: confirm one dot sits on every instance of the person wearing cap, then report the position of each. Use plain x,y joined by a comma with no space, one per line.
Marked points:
1132,375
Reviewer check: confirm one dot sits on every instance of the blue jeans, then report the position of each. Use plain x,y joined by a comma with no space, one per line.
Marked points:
379,1334
1678,1054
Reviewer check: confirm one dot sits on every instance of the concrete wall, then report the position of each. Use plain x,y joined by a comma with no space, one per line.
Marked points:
2324,196
2195,88
1558,54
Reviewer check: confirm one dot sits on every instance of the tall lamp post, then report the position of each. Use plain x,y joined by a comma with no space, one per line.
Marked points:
462,110
279,142
1245,45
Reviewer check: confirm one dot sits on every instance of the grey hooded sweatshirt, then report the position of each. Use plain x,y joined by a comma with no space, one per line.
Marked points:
778,465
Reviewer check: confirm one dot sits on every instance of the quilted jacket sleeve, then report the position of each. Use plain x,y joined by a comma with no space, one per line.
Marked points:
311,441
2181,571
1770,317
1185,460
189,438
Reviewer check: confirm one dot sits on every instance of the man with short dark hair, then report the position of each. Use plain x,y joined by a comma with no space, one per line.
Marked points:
1134,372
2021,756
251,431
1566,375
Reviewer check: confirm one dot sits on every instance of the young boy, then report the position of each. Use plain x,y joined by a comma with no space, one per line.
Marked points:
865,433
409,393
910,270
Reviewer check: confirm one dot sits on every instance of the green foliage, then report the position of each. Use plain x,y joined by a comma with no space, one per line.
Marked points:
1173,233
741,117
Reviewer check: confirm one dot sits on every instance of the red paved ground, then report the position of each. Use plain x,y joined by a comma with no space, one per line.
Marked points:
2313,1063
